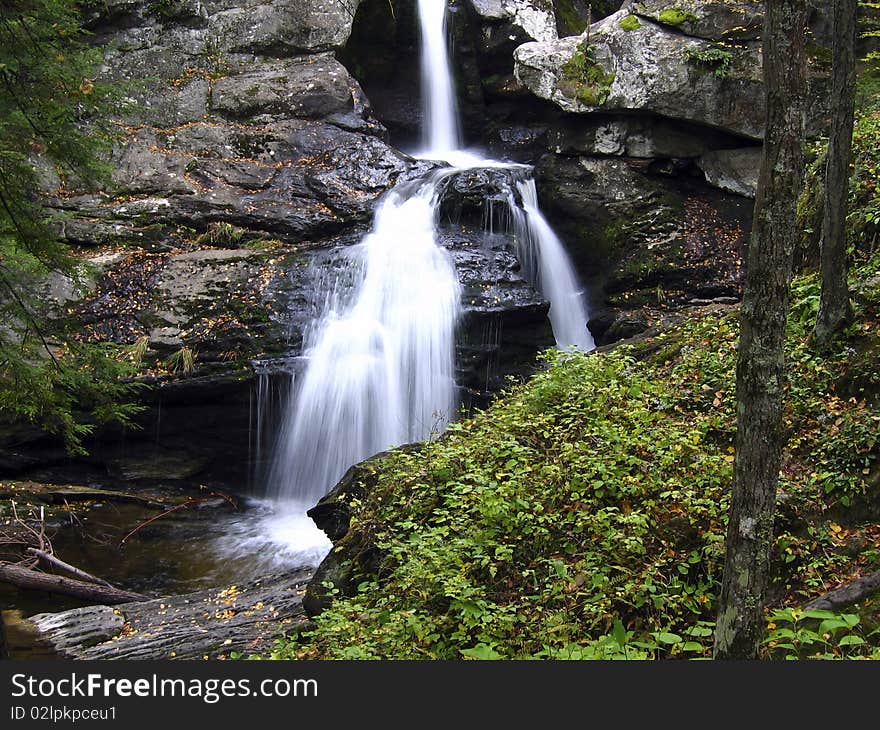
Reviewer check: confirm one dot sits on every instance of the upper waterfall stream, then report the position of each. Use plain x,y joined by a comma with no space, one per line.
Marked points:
380,356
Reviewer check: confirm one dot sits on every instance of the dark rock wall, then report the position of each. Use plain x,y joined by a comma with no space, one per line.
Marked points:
251,160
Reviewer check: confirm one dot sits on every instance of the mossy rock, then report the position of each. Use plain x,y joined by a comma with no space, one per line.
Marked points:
584,78
630,23
676,17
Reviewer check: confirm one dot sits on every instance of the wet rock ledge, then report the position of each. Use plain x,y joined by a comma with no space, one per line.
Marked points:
209,624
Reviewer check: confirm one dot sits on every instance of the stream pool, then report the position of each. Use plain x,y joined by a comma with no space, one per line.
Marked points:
201,546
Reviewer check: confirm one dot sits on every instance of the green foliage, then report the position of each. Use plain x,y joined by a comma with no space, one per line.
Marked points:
863,221
47,92
715,59
676,17
630,23
182,361
584,78
83,386
864,202
583,515
794,633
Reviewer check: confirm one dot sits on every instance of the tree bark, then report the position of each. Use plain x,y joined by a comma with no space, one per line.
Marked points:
760,365
52,562
92,592
835,311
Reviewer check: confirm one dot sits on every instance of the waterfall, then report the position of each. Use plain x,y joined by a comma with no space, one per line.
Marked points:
380,365
547,267
541,253
380,358
440,130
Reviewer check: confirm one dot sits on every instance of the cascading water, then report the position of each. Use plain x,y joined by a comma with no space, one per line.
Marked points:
541,253
380,366
380,358
440,130
546,264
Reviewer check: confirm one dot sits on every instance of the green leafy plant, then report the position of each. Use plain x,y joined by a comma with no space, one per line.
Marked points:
584,78
715,59
794,633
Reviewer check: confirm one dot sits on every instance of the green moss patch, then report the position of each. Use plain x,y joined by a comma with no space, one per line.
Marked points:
584,78
676,17
630,23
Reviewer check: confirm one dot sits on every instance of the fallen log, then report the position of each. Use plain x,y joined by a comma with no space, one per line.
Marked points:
52,562
848,594
53,494
34,580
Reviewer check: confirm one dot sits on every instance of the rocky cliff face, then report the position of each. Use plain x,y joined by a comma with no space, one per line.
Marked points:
248,159
257,138
650,165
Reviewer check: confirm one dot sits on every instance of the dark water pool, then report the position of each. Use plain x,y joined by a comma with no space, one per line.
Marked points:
194,548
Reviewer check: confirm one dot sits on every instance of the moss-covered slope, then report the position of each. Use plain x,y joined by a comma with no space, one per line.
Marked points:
583,515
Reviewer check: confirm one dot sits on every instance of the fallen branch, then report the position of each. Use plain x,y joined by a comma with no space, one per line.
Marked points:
58,564
28,579
42,541
85,494
190,501
848,594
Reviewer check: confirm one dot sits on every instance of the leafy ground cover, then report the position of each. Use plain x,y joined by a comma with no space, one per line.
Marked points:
583,514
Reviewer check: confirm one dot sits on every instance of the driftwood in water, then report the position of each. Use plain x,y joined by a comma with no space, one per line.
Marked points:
56,563
86,494
207,624
847,594
28,579
53,494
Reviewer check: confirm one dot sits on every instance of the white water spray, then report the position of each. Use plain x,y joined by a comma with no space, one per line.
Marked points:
547,266
381,365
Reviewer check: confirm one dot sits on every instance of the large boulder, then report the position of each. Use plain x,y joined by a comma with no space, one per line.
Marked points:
279,27
303,86
649,68
736,170
731,20
710,19
634,63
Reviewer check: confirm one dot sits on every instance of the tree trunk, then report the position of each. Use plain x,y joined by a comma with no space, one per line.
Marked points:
760,366
835,311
